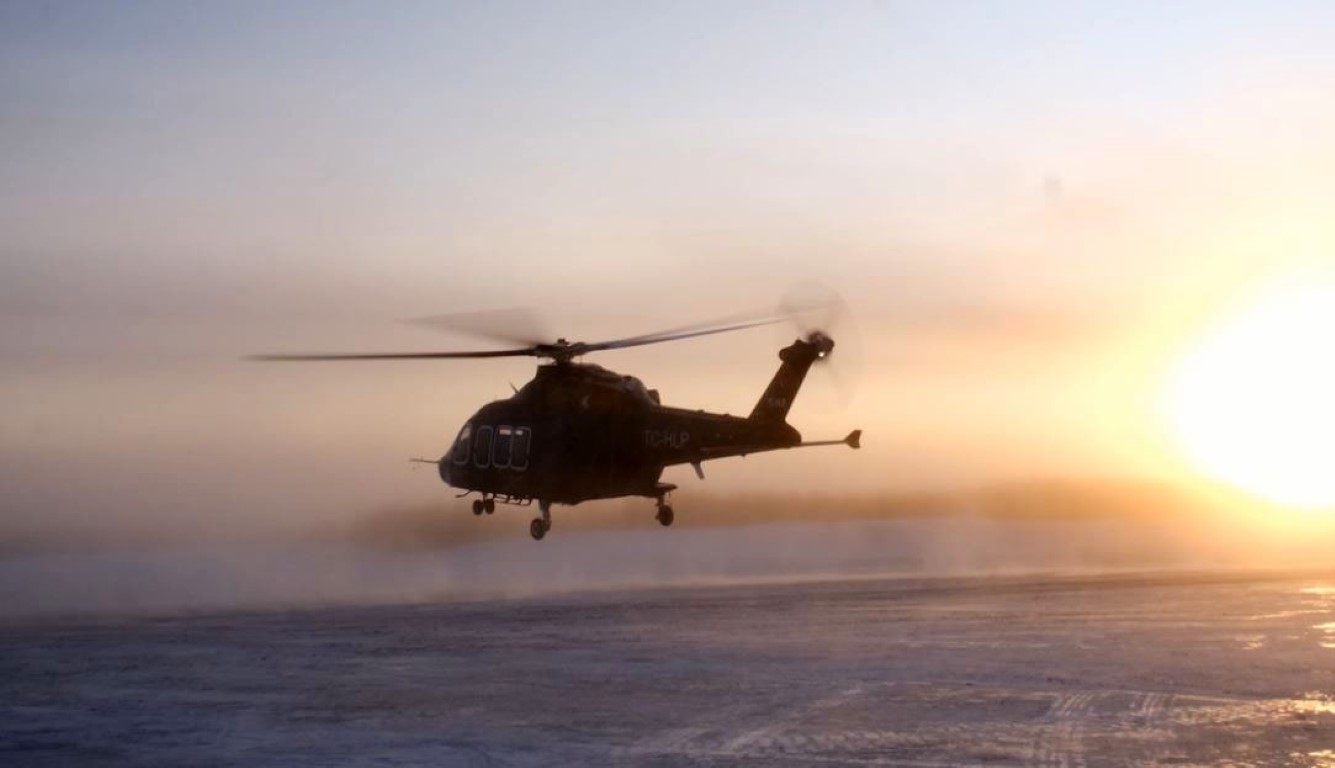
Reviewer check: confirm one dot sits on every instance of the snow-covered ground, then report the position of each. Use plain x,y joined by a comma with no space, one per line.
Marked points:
1124,669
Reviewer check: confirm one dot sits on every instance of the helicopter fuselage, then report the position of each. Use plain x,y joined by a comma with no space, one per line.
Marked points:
578,432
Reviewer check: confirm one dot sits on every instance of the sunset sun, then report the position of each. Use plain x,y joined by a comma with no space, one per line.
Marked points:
1254,403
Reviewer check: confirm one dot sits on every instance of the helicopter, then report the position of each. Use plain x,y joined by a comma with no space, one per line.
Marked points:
578,432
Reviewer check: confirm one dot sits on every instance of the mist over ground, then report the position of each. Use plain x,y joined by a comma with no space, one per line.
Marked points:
440,551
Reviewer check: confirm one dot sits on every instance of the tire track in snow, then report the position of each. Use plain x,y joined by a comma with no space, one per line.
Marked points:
1061,740
769,737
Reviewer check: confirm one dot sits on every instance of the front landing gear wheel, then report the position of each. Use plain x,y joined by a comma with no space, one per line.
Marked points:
665,516
489,506
541,525
478,506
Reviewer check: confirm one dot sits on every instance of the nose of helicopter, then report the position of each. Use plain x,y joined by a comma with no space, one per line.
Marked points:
443,466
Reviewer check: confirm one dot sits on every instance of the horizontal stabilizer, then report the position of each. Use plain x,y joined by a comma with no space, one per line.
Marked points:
854,440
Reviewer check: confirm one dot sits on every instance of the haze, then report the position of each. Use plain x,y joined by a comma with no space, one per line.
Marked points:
1030,208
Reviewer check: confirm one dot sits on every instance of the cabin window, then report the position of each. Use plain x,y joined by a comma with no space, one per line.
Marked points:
461,446
482,448
500,456
519,445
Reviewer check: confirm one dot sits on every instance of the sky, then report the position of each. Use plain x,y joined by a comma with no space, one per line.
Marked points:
1030,209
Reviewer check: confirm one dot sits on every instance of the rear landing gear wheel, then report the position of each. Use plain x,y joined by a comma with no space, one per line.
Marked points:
665,515
541,525
489,506
478,506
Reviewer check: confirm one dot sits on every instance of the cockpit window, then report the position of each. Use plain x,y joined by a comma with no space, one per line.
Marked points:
500,455
482,448
519,452
461,446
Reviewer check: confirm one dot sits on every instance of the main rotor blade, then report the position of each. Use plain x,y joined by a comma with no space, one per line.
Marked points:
735,322
480,323
662,336
526,352
512,326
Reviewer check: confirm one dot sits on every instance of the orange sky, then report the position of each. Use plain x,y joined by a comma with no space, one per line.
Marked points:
1031,218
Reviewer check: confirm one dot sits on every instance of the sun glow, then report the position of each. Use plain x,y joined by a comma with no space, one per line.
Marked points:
1254,405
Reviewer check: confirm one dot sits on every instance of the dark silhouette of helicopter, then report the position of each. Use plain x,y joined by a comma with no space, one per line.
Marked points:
578,431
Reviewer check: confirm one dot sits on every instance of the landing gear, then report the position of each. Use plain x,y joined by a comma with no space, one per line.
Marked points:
479,507
541,525
488,506
664,514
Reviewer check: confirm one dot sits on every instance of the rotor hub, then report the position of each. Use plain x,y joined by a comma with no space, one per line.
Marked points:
822,342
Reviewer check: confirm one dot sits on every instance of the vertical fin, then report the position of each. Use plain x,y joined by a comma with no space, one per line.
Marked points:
797,359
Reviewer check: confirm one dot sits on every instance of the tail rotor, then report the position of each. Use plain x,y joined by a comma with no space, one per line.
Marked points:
820,315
